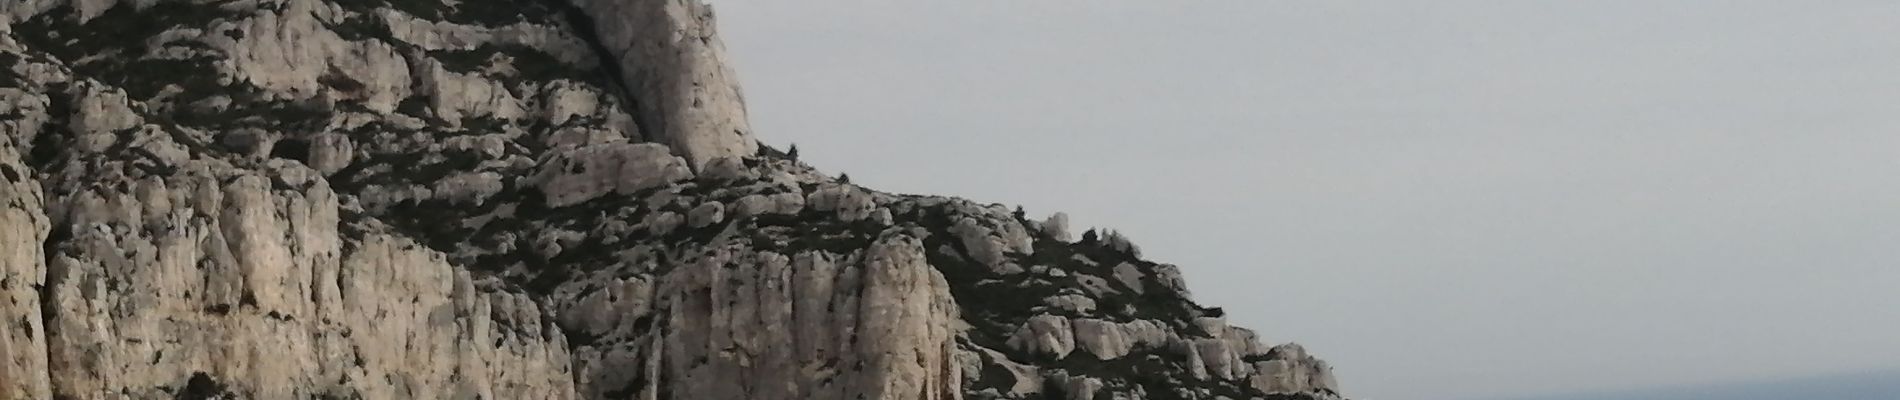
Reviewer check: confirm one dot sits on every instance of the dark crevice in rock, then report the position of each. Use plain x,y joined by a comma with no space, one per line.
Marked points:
583,27
50,144
296,149
49,308
203,387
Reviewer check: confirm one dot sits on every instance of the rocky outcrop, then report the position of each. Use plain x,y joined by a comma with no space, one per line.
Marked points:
671,58
761,325
23,230
586,173
1056,227
504,199
166,270
1045,335
1288,369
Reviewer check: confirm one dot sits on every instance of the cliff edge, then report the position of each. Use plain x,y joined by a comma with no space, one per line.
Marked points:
483,199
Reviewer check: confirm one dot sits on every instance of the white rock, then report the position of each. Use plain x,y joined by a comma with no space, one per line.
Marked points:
468,188
23,231
670,50
455,95
706,214
848,201
1057,226
566,100
100,112
1045,334
882,217
787,203
726,169
291,52
1211,325
1103,339
175,255
1220,361
1133,278
1026,379
1116,241
577,136
804,328
983,245
589,172
331,152
1244,341
1073,303
258,289
1290,370
1170,277
662,223
780,204
1109,340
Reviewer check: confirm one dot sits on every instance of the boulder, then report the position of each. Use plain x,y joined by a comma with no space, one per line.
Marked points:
1057,227
706,215
588,172
1045,335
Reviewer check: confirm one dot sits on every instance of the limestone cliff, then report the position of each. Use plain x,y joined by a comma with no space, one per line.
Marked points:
482,199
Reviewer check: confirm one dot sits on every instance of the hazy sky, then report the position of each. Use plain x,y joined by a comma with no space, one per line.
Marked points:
1446,199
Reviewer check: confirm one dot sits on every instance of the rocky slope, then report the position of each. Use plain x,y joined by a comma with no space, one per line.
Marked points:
500,199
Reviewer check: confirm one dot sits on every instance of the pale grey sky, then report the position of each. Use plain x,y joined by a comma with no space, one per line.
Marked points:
1447,199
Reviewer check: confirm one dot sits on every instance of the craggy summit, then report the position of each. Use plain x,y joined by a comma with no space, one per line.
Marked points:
517,199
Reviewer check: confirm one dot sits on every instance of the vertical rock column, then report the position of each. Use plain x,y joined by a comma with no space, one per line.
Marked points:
674,66
905,339
225,276
23,226
744,325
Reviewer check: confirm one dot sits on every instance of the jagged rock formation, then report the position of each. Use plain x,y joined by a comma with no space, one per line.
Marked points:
517,199
670,55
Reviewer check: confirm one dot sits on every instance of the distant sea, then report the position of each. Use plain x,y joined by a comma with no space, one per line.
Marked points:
1883,385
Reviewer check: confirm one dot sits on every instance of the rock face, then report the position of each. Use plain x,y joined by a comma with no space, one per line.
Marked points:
672,62
481,199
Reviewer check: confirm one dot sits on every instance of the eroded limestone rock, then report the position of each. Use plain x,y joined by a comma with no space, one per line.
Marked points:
1045,334
328,199
849,202
1290,370
588,172
1057,227
669,52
